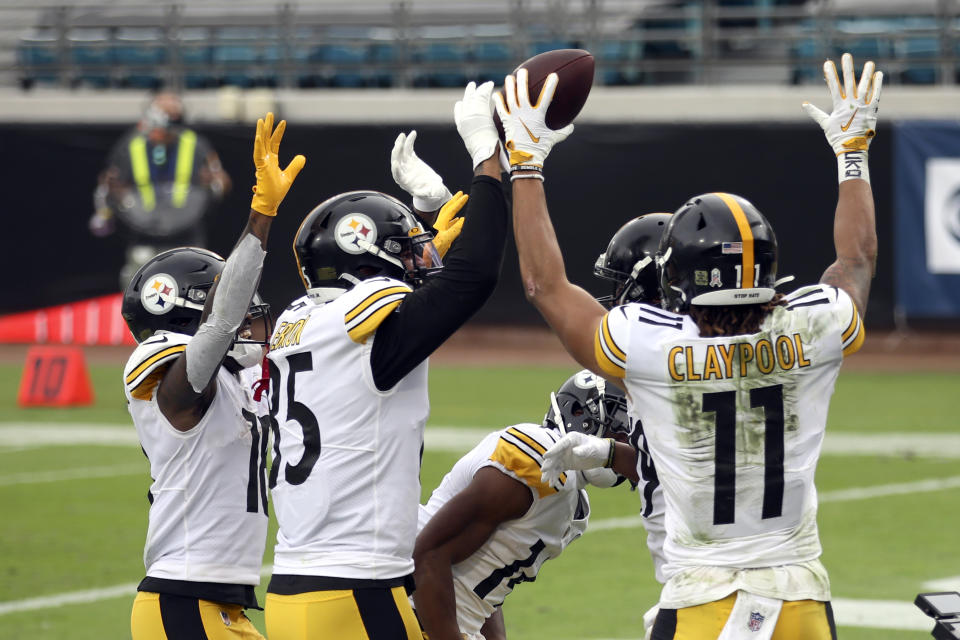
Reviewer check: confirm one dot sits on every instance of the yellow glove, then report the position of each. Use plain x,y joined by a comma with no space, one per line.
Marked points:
447,228
272,183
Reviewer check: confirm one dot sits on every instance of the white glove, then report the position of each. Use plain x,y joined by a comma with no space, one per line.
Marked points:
474,118
415,176
851,126
575,451
529,139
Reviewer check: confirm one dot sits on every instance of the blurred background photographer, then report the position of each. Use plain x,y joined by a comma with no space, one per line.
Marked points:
161,180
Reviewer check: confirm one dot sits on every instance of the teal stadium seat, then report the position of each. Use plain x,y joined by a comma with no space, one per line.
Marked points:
346,62
140,54
195,53
92,53
37,57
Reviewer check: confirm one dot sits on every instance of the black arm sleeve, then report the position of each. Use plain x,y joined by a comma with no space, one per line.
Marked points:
433,312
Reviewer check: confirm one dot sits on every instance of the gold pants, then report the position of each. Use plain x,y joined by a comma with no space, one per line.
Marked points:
356,614
798,620
159,616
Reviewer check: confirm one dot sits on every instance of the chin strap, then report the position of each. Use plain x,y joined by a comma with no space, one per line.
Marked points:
263,384
556,411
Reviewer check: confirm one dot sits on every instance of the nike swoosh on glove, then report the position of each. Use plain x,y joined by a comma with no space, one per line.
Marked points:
529,139
851,125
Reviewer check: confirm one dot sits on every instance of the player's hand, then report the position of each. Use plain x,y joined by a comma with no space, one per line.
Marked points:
529,139
272,183
474,117
851,125
415,176
575,451
446,226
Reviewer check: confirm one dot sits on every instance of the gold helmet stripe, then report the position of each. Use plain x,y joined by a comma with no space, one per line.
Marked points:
746,237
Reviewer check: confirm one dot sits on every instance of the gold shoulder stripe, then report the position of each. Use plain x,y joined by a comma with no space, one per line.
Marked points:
854,321
518,461
604,361
365,329
610,342
857,336
146,364
144,390
533,444
372,298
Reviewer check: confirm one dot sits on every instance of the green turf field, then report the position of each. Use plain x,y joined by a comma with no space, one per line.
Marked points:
74,515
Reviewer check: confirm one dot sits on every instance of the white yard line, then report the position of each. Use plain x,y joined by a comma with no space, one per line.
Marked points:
880,614
943,584
900,488
70,597
461,439
78,473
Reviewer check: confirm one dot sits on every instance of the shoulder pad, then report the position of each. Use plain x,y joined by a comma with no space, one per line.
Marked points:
610,343
810,296
369,303
149,361
656,316
837,309
520,450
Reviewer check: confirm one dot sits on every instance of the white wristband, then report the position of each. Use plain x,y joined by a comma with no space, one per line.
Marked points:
853,165
520,176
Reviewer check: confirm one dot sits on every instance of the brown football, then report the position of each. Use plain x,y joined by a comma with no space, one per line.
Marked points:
575,69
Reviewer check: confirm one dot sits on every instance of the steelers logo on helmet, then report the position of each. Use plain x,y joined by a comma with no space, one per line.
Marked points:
353,230
585,380
159,295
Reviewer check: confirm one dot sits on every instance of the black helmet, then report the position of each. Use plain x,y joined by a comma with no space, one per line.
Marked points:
630,261
359,235
588,404
167,293
718,249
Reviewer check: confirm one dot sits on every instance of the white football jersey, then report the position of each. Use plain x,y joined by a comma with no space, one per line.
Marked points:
735,427
518,548
208,509
345,473
651,496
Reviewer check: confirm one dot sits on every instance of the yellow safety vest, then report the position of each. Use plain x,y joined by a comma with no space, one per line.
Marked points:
182,172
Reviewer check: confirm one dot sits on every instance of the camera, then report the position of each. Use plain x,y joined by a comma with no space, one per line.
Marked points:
944,607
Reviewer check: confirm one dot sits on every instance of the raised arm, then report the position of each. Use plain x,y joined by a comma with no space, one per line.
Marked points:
570,311
849,129
188,385
453,534
434,311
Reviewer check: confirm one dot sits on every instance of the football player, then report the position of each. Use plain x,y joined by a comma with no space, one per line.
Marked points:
492,522
730,379
202,331
348,369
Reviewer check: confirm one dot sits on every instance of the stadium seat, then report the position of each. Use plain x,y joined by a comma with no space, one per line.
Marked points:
139,52
540,46
443,64
37,54
195,53
92,53
344,64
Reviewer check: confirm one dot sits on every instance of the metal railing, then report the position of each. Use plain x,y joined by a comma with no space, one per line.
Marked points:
413,43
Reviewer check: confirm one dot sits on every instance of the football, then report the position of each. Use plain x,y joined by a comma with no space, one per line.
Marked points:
575,69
